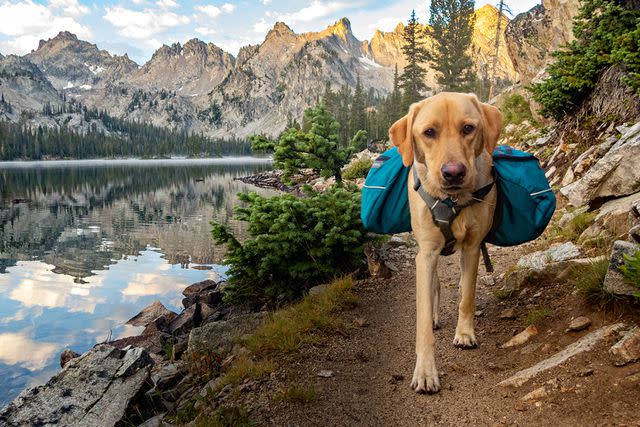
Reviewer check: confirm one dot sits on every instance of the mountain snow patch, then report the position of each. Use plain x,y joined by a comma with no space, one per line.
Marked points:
85,87
68,86
367,62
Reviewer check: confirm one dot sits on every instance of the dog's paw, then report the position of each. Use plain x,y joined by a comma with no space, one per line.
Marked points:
465,341
425,382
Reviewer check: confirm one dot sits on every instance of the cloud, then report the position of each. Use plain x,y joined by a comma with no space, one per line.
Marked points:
228,7
27,22
205,31
262,26
167,4
20,349
209,10
265,2
317,9
69,7
142,25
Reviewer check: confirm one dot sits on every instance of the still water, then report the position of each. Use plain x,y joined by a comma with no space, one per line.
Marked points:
85,245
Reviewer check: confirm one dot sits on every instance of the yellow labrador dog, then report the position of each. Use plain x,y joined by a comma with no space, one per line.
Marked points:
448,139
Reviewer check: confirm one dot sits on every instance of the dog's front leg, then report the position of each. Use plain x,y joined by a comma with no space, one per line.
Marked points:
465,336
425,375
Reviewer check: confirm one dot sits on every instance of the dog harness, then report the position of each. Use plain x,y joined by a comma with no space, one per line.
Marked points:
445,211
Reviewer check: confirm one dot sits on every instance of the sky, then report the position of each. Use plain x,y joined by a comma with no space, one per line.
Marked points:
139,27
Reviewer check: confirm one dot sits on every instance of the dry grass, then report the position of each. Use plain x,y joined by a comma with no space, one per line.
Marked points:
303,324
296,392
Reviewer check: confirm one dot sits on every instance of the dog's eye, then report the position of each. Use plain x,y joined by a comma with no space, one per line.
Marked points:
430,133
468,129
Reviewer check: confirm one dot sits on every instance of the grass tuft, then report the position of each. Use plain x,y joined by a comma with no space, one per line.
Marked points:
536,315
226,416
303,324
296,393
589,280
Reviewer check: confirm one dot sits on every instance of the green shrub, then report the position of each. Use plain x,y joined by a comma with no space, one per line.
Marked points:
516,110
318,147
588,279
358,169
294,243
631,271
606,34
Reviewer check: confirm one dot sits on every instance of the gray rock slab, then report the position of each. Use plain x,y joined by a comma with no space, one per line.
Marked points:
583,344
626,350
614,281
541,259
224,334
95,389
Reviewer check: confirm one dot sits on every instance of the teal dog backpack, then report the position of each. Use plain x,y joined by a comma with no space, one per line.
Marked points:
525,203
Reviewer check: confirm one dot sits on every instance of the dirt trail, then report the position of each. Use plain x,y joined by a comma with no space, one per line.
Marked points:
372,365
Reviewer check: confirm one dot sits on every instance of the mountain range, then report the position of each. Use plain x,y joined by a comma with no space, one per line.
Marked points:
201,88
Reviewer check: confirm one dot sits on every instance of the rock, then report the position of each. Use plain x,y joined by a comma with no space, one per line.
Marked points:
566,219
154,422
487,280
508,313
585,373
66,356
325,373
579,323
317,290
168,376
536,394
540,260
614,218
634,233
206,291
522,337
153,342
223,334
185,321
97,389
583,344
614,281
626,350
150,313
568,177
614,175
396,241
209,313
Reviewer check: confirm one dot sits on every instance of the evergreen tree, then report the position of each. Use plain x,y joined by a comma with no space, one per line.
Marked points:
452,24
412,80
357,117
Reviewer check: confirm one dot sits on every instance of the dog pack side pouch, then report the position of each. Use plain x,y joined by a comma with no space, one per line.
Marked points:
385,199
525,203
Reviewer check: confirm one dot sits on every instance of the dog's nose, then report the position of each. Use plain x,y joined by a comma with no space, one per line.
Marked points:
453,172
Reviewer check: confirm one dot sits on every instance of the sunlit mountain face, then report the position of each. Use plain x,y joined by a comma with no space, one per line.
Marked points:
85,246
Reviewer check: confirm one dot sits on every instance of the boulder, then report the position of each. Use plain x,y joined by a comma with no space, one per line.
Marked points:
185,321
614,218
199,287
150,313
614,281
208,296
541,260
579,323
566,219
224,334
66,356
626,350
614,175
96,389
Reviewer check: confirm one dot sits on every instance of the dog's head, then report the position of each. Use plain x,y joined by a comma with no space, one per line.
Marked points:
446,133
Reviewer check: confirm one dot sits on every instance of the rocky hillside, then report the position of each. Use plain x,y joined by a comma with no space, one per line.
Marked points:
533,35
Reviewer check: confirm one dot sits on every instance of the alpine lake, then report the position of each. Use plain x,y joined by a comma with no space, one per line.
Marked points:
85,245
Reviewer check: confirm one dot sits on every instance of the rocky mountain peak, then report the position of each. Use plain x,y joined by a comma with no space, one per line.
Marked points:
279,29
341,28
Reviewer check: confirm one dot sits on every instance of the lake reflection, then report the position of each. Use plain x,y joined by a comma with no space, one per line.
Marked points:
85,245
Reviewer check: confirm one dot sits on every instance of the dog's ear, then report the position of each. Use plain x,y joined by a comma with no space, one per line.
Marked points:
491,127
401,135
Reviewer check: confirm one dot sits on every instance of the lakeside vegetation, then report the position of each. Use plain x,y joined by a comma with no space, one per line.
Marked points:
105,136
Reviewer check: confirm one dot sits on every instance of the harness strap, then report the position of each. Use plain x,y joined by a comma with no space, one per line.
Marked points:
444,212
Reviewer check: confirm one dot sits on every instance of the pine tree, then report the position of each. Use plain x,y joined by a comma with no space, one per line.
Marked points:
358,116
452,23
502,6
412,80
